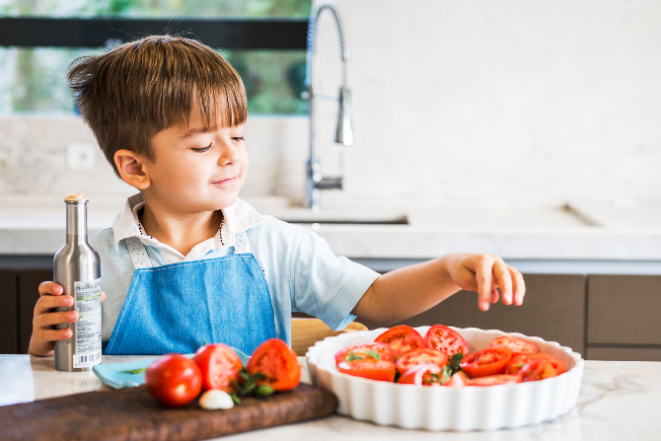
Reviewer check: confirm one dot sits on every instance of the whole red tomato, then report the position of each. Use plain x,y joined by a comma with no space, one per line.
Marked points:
278,363
219,365
174,380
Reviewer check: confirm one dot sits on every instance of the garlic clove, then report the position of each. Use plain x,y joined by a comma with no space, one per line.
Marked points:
216,399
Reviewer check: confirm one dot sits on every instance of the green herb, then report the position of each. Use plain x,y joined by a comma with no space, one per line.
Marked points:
375,355
453,367
250,387
352,357
134,371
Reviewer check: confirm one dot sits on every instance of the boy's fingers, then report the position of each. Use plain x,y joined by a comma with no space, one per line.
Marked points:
483,272
50,288
103,296
518,285
494,295
54,334
55,318
504,280
46,303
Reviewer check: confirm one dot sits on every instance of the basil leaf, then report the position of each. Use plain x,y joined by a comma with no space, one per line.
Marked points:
352,357
375,355
134,371
235,398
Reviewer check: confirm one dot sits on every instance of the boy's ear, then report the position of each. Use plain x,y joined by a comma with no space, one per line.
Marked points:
131,169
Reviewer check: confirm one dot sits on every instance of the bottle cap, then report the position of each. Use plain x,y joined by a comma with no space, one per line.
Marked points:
75,197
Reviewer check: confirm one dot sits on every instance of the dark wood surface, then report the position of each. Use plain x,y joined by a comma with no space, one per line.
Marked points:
132,414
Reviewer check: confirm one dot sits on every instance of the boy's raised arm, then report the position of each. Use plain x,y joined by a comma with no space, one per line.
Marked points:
408,291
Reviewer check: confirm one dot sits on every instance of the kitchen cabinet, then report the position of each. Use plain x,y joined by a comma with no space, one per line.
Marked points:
604,317
624,317
8,312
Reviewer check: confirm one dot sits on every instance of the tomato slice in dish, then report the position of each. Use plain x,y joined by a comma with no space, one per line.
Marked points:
516,345
493,380
219,365
372,370
425,374
489,361
402,339
459,379
418,356
377,351
278,362
537,369
446,340
519,361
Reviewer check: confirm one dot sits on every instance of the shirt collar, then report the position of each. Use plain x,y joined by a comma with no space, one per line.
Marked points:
239,217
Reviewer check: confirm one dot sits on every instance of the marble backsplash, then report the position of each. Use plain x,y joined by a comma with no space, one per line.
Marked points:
452,101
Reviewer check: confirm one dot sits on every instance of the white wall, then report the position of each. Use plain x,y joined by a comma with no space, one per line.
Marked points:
472,100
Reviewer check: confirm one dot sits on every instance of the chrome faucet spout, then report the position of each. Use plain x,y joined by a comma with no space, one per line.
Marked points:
344,133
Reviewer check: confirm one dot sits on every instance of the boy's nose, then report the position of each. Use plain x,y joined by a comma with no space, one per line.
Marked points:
228,155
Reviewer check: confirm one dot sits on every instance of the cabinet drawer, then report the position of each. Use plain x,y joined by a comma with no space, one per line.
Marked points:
554,309
624,354
624,309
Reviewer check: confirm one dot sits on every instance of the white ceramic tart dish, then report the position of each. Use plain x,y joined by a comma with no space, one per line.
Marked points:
447,408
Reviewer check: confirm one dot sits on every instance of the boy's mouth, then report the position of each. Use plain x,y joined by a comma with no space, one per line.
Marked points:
225,181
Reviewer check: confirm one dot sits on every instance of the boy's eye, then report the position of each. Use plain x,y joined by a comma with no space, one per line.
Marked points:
203,149
238,138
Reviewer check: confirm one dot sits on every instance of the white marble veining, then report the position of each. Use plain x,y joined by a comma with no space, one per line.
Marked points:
618,401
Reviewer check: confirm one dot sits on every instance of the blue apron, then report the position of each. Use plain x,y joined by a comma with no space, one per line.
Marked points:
179,307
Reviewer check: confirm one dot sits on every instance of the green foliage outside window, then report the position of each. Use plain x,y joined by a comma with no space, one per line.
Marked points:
32,79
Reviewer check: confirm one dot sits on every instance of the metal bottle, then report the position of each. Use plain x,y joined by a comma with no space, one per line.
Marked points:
76,266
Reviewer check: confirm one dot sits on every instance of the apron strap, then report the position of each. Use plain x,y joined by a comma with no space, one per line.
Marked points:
138,253
140,258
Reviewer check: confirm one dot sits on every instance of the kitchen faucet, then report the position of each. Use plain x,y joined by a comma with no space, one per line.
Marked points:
315,182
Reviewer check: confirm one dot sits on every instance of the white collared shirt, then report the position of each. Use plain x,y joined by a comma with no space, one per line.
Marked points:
238,217
301,271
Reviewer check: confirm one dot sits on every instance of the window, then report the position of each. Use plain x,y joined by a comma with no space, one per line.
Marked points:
263,39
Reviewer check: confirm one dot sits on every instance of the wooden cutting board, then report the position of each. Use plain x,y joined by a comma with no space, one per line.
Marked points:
132,414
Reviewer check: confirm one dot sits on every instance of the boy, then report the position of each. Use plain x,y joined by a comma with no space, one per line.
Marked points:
186,261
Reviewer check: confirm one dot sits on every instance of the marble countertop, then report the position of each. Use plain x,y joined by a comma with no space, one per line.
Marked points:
601,231
619,400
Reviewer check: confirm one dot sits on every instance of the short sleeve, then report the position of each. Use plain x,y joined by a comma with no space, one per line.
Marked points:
325,285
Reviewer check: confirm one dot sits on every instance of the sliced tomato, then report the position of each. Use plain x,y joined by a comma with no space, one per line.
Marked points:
458,379
446,340
520,360
219,365
425,374
402,339
493,380
537,369
278,363
489,361
382,350
370,369
418,356
516,345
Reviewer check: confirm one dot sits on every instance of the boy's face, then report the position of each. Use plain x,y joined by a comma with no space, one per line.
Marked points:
197,170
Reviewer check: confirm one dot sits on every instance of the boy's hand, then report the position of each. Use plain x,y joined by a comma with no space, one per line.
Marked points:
44,335
484,273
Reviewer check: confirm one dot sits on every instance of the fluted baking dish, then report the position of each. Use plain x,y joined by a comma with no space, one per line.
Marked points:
447,408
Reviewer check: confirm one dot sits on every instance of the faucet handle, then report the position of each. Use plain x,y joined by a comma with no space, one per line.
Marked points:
344,133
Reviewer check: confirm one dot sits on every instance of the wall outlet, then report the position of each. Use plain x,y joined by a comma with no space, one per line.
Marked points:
80,156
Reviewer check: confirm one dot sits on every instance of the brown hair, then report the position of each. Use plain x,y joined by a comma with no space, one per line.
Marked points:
134,91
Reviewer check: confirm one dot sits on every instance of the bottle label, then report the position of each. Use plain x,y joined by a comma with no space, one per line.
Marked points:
88,327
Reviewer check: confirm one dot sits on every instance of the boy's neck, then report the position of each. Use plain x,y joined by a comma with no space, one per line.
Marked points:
180,231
